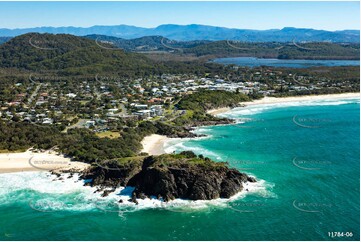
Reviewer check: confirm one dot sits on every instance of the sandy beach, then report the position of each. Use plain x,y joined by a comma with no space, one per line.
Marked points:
154,144
32,161
272,100
218,111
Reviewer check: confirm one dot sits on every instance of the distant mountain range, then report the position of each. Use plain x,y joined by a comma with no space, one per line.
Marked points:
146,43
227,48
199,32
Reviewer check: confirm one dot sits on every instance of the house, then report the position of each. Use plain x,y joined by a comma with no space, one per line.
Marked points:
47,121
140,106
144,113
89,123
157,110
71,95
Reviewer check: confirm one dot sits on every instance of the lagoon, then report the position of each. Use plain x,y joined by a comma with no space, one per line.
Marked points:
256,62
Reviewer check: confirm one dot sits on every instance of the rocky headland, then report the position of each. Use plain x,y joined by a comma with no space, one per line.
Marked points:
184,176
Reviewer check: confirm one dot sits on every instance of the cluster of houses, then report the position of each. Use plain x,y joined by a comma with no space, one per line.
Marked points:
142,98
30,117
144,112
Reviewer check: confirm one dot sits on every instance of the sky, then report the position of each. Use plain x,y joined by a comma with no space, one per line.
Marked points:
244,15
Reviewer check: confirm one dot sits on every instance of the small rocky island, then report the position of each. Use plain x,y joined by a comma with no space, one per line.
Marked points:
168,176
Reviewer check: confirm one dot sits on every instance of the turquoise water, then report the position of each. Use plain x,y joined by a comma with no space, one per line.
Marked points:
304,155
255,62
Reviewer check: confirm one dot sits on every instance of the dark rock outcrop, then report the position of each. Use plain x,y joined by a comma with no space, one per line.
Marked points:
183,176
110,174
188,182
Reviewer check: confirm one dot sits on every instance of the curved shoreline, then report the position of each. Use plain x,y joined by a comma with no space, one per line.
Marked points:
155,144
273,100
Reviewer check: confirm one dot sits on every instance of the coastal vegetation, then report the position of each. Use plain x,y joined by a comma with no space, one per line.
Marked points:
207,99
81,144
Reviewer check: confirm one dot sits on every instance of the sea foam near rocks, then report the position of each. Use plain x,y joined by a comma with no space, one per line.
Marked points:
47,193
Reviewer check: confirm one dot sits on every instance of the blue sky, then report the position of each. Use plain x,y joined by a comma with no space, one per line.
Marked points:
248,15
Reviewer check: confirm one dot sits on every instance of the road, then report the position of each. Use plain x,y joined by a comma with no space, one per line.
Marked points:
34,94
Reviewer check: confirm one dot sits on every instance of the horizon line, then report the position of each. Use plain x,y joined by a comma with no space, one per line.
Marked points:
71,26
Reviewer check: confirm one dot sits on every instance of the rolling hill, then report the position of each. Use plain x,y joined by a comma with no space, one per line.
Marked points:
281,50
72,55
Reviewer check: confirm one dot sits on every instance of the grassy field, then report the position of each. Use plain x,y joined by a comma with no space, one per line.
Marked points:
108,134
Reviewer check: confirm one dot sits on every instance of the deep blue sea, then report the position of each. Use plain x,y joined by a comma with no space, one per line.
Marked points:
305,156
256,62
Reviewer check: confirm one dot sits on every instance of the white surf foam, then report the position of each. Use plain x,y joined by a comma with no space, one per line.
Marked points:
176,145
43,193
259,108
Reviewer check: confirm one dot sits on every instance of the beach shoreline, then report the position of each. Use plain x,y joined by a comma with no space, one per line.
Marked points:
274,100
218,110
37,161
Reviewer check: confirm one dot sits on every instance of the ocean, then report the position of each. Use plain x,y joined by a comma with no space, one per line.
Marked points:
305,156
